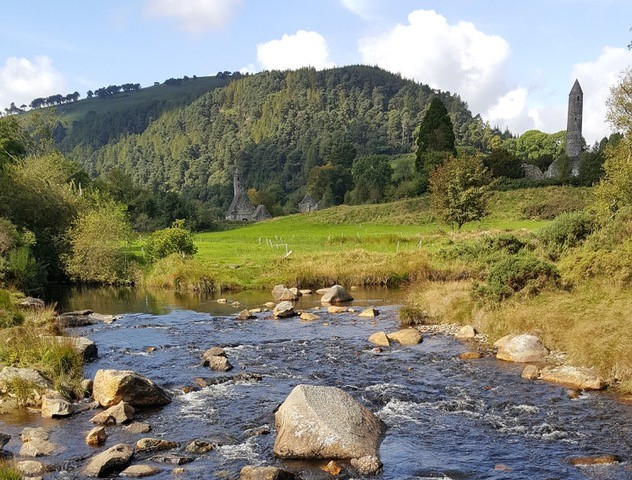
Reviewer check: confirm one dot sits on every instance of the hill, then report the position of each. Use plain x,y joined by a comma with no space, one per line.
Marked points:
276,125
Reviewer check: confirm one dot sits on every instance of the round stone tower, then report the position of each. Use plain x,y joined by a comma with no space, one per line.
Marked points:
574,121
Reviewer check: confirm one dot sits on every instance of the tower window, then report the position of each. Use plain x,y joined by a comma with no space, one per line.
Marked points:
578,98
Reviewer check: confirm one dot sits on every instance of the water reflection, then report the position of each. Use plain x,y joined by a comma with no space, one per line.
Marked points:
118,300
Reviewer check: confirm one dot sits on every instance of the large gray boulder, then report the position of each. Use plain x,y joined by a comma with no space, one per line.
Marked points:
284,310
282,294
523,349
336,294
324,423
54,405
114,386
112,460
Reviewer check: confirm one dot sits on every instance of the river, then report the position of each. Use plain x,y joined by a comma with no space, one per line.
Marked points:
447,418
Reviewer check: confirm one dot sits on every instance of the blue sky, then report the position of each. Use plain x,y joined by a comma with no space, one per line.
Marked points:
513,61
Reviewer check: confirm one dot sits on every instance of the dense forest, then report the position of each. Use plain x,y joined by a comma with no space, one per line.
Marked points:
278,126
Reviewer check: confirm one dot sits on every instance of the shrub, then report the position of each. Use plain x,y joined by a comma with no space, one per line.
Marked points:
410,315
522,273
567,231
10,314
175,239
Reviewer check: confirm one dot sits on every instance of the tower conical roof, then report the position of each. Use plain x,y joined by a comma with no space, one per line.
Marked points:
577,89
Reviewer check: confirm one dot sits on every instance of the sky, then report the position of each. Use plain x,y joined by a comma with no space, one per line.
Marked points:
512,61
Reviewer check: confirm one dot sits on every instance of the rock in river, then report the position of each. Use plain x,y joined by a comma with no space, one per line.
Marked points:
113,386
110,461
406,336
523,349
284,310
574,377
250,472
336,294
55,405
325,423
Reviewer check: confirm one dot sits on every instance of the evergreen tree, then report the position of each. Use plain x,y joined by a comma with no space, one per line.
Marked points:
436,133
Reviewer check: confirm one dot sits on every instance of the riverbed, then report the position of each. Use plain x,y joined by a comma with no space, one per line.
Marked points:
447,418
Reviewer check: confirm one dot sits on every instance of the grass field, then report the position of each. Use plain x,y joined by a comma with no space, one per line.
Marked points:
386,243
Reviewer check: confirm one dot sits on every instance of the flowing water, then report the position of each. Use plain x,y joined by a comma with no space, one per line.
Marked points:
446,418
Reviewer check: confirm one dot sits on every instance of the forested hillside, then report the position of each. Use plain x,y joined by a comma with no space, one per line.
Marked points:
278,126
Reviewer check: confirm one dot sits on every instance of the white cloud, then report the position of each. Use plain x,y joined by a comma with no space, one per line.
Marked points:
596,79
362,8
294,51
22,80
194,15
455,57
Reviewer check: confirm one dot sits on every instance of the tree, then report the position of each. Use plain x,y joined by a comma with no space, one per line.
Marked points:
371,175
13,140
620,104
460,190
502,163
175,239
436,133
98,239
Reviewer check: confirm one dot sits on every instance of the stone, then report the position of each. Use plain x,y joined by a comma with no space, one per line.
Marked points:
367,465
214,352
99,317
31,302
334,309
466,332
82,345
270,304
114,386
117,414
336,294
138,427
200,382
284,310
281,293
110,461
220,364
250,472
38,447
235,304
523,349
199,447
579,378
530,372
222,300
406,336
305,291
316,422
309,317
369,313
503,340
140,470
380,339
4,439
27,375
54,405
254,311
33,433
172,459
148,444
322,291
96,437
245,315
86,386
596,460
470,355
332,468
32,468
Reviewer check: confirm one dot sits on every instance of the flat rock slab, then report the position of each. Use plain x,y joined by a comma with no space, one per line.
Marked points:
154,444
140,471
309,317
316,422
39,448
579,378
523,349
250,472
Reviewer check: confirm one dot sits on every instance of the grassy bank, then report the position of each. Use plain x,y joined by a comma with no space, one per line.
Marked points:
384,244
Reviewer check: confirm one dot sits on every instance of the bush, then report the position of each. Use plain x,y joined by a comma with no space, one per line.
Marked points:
10,314
523,273
567,231
175,239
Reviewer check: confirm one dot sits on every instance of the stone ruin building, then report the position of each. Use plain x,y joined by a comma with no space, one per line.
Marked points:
308,204
241,208
574,141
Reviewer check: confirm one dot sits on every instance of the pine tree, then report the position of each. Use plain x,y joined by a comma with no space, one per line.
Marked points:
436,133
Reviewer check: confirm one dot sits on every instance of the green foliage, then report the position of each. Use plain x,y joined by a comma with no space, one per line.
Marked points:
371,175
522,273
460,190
173,240
436,134
534,144
591,167
98,239
567,231
10,314
502,163
614,191
13,140
8,472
